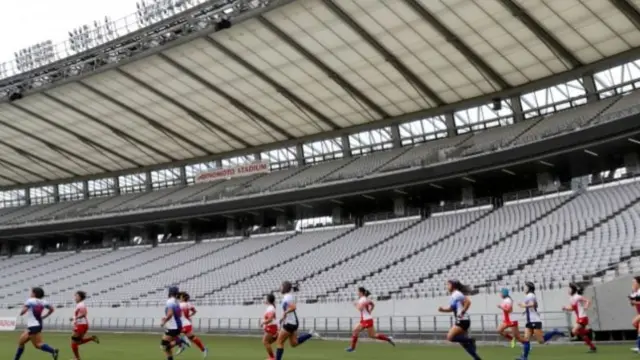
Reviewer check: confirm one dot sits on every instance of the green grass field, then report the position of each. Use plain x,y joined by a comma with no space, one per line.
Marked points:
147,347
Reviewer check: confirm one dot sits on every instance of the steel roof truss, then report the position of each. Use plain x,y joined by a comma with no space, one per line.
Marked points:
235,102
454,40
55,147
11,180
409,75
137,142
96,146
23,169
178,138
628,10
213,127
551,41
281,89
38,159
347,86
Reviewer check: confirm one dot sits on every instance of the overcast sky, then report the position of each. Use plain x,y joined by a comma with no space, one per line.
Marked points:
27,22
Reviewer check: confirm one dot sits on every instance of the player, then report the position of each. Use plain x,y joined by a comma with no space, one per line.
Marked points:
80,325
634,300
459,306
507,322
365,307
188,310
172,324
579,305
289,322
35,308
533,325
270,325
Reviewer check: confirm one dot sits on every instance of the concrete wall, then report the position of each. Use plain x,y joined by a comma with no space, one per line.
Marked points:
611,309
399,315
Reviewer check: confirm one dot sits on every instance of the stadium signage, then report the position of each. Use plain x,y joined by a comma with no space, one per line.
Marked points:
258,167
7,324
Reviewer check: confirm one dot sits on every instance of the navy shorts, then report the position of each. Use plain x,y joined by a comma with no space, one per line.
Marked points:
172,332
536,325
463,324
34,330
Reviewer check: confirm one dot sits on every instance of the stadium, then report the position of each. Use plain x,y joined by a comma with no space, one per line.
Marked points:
230,145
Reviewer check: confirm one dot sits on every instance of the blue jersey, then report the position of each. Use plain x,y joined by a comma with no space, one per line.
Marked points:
175,321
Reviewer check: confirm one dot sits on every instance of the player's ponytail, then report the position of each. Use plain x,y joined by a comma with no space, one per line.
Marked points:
271,299
295,288
288,287
364,291
576,289
82,295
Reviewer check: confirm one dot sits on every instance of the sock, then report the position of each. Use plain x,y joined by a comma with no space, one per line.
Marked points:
270,352
354,341
178,341
508,336
638,341
86,340
461,339
382,337
74,348
170,357
199,344
584,333
279,353
21,350
304,337
551,334
46,348
526,348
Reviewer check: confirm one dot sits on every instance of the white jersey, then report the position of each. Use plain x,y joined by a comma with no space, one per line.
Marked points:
81,314
271,312
577,305
457,305
35,308
175,321
290,318
365,308
531,313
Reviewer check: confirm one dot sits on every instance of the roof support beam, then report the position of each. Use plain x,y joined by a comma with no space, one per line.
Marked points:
82,138
38,159
235,102
11,180
409,75
456,42
199,118
347,86
129,138
551,41
628,10
55,147
295,99
23,169
174,135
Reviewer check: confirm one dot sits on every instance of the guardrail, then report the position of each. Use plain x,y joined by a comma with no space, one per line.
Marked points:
426,327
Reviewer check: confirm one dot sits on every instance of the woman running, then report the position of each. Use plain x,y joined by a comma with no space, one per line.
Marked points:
80,323
188,310
634,300
507,322
365,306
533,325
289,323
270,325
172,324
579,305
35,308
459,305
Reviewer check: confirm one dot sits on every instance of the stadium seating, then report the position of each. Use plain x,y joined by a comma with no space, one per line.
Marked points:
425,154
541,239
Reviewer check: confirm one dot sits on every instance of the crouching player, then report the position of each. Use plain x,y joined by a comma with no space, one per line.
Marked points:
188,310
80,326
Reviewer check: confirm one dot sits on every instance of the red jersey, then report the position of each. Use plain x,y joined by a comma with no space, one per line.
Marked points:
507,307
186,309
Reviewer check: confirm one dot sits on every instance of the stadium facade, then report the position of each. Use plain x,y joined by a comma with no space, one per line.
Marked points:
410,133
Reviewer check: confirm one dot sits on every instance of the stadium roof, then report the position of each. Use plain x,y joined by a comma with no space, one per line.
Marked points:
305,68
